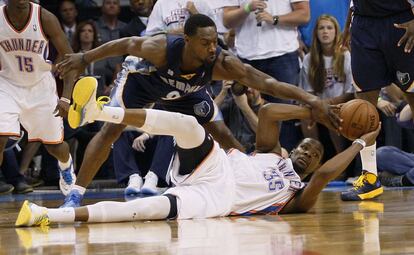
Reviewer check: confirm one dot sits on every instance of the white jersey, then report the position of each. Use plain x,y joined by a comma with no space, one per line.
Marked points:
264,182
23,53
169,15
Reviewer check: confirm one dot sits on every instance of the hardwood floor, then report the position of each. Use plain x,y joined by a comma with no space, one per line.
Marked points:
384,225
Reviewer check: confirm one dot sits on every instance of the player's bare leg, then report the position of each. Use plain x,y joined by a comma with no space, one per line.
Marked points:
96,153
223,135
368,185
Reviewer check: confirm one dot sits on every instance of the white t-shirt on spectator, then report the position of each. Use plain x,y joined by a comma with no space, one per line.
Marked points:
171,14
217,8
262,42
333,86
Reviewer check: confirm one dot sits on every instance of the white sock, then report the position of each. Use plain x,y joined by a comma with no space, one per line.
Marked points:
80,189
149,208
369,158
61,214
185,129
65,165
112,114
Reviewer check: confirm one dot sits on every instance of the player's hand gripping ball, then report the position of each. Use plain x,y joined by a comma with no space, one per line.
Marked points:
359,117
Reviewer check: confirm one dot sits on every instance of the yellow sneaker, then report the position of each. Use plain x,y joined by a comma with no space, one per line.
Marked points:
32,215
85,108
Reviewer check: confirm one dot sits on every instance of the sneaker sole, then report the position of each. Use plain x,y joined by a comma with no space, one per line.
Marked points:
84,89
371,194
24,215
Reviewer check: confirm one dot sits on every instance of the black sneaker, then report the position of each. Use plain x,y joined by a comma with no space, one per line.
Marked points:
34,182
22,187
5,188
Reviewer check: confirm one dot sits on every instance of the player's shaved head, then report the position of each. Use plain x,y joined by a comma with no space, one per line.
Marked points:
197,21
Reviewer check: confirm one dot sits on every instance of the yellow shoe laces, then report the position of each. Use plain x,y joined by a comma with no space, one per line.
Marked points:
359,182
103,100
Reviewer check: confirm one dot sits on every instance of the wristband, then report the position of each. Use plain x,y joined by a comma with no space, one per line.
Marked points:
361,142
247,8
64,99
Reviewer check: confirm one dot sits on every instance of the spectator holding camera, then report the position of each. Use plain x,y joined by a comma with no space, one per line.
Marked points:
239,109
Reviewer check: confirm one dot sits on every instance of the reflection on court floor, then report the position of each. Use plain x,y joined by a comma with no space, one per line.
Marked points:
384,225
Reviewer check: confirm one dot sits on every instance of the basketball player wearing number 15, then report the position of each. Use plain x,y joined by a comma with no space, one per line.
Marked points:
382,39
27,87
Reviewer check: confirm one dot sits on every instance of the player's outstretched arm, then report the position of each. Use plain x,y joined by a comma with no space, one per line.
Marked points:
267,135
150,48
229,67
306,198
54,32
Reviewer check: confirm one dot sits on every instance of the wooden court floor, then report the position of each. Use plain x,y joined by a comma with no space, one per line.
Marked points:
381,226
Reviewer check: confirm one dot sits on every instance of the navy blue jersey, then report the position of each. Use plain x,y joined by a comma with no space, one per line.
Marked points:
381,8
169,82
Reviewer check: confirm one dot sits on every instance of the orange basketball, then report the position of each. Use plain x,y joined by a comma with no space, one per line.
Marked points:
359,117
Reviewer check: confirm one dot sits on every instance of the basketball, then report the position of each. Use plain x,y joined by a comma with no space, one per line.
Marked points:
359,117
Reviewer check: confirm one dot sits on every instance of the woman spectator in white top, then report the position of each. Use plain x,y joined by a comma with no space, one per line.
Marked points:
326,72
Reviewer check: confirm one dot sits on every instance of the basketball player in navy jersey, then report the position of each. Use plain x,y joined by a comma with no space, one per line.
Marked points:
209,182
173,73
27,86
382,39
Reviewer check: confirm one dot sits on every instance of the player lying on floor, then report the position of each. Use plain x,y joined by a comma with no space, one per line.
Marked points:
208,182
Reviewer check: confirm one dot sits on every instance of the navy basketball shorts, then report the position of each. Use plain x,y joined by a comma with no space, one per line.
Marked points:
137,91
376,59
198,104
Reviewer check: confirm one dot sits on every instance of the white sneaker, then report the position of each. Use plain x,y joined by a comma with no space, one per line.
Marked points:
67,179
32,215
134,185
85,108
150,184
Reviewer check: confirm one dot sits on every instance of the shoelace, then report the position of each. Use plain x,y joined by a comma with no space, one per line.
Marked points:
359,182
67,175
103,100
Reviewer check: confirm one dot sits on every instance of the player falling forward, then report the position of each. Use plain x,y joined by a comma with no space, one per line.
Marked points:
28,89
208,182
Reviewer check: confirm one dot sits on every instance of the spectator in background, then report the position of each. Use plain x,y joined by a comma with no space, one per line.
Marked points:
170,15
68,14
240,113
10,170
86,38
326,72
266,38
109,27
337,8
395,166
143,163
108,24
142,9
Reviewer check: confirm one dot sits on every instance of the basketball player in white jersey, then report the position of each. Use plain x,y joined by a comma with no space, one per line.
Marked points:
27,87
209,182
